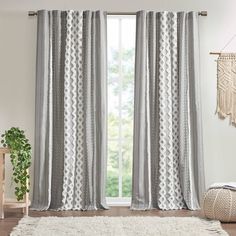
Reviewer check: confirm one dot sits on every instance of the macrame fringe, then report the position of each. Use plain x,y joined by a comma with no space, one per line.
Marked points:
223,109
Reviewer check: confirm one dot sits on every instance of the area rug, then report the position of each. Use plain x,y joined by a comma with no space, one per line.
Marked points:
120,226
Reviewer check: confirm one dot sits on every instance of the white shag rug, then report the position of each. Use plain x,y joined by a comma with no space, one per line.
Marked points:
120,226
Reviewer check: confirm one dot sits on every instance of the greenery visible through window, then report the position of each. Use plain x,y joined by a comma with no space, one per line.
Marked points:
121,50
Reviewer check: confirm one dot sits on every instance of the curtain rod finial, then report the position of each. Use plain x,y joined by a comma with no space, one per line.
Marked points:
32,13
202,13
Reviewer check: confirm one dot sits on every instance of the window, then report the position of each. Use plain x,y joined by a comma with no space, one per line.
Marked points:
121,50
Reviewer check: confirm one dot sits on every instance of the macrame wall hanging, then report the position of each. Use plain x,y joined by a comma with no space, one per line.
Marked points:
226,84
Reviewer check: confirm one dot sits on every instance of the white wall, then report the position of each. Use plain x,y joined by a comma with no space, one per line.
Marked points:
17,68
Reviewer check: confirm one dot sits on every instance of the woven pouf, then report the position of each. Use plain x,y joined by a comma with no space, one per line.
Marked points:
220,204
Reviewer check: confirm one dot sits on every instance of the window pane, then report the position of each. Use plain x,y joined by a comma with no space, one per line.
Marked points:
112,186
127,153
113,113
121,51
113,78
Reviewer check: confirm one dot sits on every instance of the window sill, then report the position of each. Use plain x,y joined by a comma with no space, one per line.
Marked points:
116,201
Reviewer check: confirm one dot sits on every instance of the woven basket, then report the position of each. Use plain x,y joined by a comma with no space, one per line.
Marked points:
220,204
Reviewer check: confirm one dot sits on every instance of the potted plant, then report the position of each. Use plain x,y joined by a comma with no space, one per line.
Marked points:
20,155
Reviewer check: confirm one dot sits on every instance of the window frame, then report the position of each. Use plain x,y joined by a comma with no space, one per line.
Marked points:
119,201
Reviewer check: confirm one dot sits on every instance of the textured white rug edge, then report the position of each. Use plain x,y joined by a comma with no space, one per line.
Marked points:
27,225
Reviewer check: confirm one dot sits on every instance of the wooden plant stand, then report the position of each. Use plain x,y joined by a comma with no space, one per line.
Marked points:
4,203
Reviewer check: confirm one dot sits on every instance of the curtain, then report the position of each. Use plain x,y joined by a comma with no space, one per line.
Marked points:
168,168
70,131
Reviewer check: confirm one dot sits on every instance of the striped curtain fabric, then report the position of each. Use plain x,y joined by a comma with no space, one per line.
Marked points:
168,168
70,132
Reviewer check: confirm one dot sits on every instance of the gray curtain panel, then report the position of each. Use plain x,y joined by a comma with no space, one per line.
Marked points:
168,168
70,133
49,123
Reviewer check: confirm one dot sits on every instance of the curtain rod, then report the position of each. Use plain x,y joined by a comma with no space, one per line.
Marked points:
201,13
214,53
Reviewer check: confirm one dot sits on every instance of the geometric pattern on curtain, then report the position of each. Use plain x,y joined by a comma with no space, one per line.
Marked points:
167,161
169,194
70,133
73,113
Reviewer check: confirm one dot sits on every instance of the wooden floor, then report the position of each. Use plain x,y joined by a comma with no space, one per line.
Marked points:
13,216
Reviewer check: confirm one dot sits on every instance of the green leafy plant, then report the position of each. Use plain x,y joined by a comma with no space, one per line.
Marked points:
20,154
